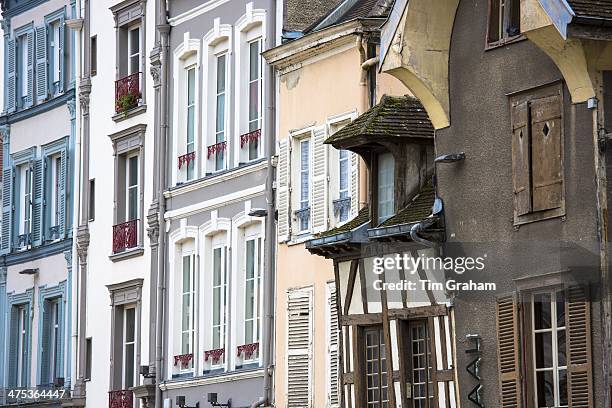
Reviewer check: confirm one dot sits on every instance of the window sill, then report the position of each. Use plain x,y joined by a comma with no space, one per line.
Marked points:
539,216
504,42
127,254
119,117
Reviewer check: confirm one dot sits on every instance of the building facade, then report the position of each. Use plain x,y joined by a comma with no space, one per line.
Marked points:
221,127
38,192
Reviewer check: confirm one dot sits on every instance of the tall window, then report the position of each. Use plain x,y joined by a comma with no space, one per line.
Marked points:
190,118
420,365
504,20
188,299
376,369
220,111
25,198
252,296
55,53
304,219
386,169
131,180
56,171
129,347
343,187
133,48
549,349
22,333
22,64
51,347
254,95
219,300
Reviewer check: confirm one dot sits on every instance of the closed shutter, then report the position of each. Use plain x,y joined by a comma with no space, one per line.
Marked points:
42,83
319,187
333,380
580,377
13,346
11,78
282,192
354,160
521,160
508,352
7,201
63,177
547,172
45,344
62,41
25,372
30,73
37,202
299,348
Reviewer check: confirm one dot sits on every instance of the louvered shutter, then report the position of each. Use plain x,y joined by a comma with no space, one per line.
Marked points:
547,172
521,152
7,202
282,192
11,78
30,73
333,380
45,344
42,83
13,346
299,348
580,377
319,187
37,201
25,372
62,41
59,358
508,352
63,177
354,160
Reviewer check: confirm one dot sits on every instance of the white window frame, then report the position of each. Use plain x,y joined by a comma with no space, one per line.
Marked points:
131,54
128,187
55,51
191,294
382,218
21,343
221,164
190,146
223,300
257,281
259,80
23,64
25,194
554,330
56,169
125,343
301,201
54,337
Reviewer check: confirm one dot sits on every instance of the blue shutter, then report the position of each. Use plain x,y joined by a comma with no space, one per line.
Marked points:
37,201
42,83
13,346
30,97
7,202
25,372
61,54
59,358
11,78
45,343
62,192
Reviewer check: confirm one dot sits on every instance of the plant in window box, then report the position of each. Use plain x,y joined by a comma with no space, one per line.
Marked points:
127,101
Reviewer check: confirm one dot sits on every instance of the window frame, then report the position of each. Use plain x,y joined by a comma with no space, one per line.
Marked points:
304,169
221,163
256,280
223,298
377,176
125,343
190,146
505,22
364,331
259,80
191,294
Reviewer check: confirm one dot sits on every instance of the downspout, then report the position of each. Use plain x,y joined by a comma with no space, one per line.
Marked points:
421,226
270,244
164,30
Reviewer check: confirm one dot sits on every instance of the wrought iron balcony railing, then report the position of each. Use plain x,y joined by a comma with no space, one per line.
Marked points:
121,399
217,148
342,205
184,359
215,355
186,159
248,350
125,236
251,137
127,93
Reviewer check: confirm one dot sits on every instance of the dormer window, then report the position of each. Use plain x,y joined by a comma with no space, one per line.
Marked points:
385,182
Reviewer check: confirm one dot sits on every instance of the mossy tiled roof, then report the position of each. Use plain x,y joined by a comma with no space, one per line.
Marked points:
592,8
401,117
417,210
361,218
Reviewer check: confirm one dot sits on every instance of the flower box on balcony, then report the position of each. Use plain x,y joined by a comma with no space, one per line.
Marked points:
127,93
125,236
184,360
248,350
215,356
121,399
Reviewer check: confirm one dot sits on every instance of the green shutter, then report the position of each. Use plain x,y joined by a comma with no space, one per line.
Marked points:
30,74
45,344
11,79
12,350
37,201
62,192
42,82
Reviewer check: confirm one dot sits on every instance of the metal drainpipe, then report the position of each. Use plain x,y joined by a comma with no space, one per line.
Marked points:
161,260
416,228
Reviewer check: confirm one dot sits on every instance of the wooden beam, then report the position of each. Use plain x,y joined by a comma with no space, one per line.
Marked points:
364,289
350,285
361,320
418,312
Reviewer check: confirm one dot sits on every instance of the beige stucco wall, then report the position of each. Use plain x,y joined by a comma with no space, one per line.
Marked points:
309,96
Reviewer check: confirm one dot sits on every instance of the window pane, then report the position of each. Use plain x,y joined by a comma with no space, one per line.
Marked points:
304,172
561,348
130,324
543,350
133,171
560,309
541,311
129,366
186,343
187,274
134,41
217,267
221,74
191,86
220,113
216,306
386,166
563,387
133,204
254,60
545,385
186,312
253,100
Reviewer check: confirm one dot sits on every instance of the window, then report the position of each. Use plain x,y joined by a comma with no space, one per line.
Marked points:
304,211
549,349
22,344
129,348
55,54
375,368
25,198
504,20
190,114
537,155
92,199
54,199
420,366
51,342
23,62
220,112
88,356
253,291
93,50
386,175
254,96
133,49
219,302
343,188
131,181
188,303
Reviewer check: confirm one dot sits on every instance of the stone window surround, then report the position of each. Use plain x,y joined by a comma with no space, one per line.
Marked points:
125,141
17,299
48,293
121,294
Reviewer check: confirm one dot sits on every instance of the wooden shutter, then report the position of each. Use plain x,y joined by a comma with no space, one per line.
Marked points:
354,172
45,344
11,76
30,73
508,352
318,191
333,333
38,179
547,172
521,158
299,348
42,82
63,179
7,201
282,192
580,377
